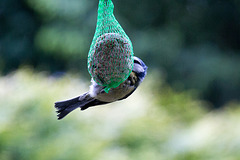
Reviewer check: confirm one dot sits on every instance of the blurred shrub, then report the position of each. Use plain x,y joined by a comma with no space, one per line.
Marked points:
151,124
195,44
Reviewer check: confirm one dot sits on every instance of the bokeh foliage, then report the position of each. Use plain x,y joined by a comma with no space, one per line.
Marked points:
168,125
194,44
191,48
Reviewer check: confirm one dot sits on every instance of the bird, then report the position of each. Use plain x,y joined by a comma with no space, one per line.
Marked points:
97,96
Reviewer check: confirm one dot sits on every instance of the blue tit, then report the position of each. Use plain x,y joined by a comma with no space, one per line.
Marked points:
97,96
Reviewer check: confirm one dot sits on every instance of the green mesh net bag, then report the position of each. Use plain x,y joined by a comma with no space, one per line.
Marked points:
110,58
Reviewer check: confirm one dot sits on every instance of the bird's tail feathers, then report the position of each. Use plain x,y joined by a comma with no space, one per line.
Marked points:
65,107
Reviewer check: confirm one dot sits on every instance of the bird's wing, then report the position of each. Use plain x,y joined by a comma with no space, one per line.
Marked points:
127,95
95,102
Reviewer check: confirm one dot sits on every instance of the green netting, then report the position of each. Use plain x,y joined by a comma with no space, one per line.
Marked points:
110,58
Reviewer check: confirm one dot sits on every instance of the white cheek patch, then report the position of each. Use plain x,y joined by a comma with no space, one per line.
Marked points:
138,68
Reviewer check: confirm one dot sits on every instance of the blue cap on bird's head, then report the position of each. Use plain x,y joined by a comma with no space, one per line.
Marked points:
139,68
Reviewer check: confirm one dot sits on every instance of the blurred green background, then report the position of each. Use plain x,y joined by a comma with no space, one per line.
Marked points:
186,109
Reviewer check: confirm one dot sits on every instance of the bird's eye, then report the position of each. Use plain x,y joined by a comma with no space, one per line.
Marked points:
136,61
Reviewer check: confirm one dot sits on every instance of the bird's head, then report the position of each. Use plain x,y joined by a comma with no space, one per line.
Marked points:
139,68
